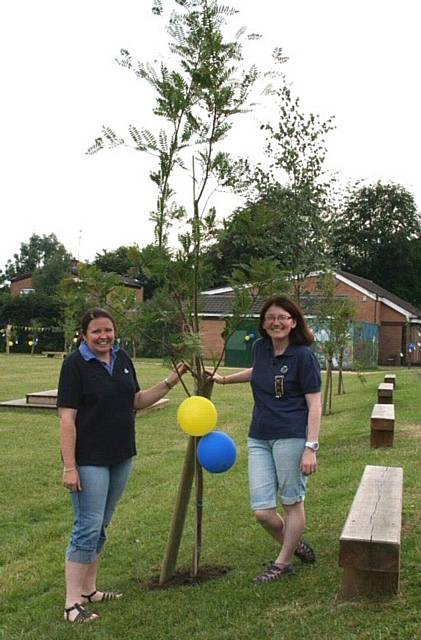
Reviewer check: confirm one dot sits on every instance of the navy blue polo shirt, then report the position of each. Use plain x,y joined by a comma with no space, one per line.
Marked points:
105,418
284,417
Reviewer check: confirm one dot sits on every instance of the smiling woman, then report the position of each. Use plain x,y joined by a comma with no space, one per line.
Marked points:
98,394
284,431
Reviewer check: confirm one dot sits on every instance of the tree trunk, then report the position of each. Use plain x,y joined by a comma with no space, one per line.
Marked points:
198,481
192,469
325,410
179,515
341,386
330,386
8,336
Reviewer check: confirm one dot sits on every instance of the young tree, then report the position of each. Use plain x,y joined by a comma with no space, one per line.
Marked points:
197,102
334,314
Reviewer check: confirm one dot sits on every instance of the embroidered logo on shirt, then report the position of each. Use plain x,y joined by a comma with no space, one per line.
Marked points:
126,370
284,369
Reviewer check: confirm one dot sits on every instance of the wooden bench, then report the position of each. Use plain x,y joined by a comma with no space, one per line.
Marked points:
369,546
390,378
382,425
385,393
52,354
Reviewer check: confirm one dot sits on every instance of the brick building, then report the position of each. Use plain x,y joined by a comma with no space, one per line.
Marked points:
22,285
397,321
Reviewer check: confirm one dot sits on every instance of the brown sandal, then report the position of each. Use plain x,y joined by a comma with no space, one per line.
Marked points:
274,572
305,553
83,614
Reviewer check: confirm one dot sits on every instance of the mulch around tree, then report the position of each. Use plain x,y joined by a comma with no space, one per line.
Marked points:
183,577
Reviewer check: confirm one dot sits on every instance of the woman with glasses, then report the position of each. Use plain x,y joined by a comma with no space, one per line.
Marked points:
284,431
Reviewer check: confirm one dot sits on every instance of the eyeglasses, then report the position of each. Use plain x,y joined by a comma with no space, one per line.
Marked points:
278,318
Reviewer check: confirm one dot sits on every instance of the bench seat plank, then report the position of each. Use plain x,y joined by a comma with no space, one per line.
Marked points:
369,546
382,425
390,378
385,393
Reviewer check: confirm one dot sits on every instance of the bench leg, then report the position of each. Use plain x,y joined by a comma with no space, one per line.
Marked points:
380,438
356,582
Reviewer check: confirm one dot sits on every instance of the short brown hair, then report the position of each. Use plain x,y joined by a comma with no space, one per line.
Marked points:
300,334
93,314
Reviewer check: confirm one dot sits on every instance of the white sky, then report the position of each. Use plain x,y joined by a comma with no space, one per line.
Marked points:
358,60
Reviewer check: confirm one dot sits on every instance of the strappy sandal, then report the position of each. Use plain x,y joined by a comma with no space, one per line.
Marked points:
106,596
83,614
305,553
274,572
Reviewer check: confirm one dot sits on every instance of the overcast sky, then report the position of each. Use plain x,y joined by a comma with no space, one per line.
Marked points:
357,60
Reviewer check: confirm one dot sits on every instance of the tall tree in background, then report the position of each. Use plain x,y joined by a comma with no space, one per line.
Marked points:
40,253
288,199
296,146
376,231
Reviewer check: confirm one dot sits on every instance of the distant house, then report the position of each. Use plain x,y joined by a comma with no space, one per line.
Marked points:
383,318
22,285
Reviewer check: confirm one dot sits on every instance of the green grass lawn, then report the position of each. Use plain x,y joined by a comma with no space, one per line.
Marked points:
35,520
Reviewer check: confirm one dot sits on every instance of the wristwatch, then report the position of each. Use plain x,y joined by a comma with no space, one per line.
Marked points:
312,445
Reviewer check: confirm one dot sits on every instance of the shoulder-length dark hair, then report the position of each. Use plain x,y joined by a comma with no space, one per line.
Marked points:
90,315
301,334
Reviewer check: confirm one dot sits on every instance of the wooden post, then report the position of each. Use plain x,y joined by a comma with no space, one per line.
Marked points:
390,378
179,514
382,425
385,393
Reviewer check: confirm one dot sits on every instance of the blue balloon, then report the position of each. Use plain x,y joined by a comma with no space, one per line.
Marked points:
216,452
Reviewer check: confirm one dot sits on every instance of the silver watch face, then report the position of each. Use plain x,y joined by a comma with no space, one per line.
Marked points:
313,445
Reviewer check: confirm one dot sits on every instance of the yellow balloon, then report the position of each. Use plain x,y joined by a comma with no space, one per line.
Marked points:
30,342
11,343
197,416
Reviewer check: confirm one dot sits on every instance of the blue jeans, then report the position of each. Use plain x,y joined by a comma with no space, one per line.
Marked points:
93,508
274,466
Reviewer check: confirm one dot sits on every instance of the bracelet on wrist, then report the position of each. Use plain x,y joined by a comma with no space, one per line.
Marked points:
69,469
168,384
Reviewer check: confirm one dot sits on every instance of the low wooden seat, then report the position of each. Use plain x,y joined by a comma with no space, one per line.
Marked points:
53,354
391,378
382,425
385,393
370,542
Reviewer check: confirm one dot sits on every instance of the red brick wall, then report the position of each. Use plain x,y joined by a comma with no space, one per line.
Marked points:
366,310
390,315
212,342
390,344
16,287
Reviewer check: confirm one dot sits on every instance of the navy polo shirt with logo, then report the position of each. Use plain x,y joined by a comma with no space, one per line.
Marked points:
284,417
103,397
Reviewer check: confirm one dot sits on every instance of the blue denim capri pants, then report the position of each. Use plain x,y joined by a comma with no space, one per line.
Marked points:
93,508
274,466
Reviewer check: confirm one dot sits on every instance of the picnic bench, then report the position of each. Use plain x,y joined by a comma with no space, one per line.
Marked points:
370,542
382,425
385,393
390,378
53,354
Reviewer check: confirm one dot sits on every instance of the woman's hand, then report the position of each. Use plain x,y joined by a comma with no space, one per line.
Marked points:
71,480
308,463
216,377
175,376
